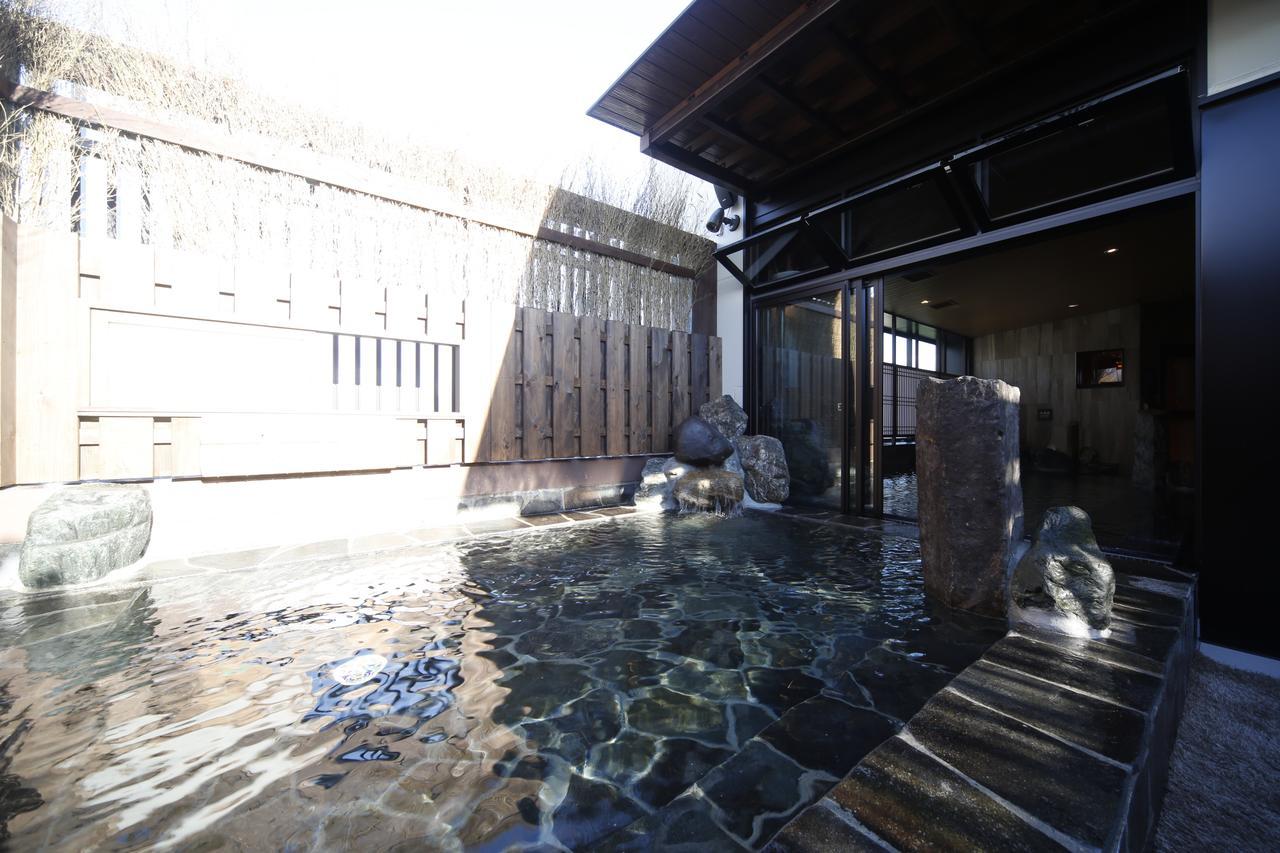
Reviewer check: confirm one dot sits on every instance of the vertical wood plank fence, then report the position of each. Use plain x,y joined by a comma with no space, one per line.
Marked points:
561,386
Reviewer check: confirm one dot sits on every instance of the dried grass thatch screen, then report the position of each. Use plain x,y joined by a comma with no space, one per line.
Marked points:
457,231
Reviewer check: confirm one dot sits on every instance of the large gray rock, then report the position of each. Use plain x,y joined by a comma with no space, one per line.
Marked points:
807,456
764,465
708,490
1064,571
970,490
80,533
654,490
701,444
725,415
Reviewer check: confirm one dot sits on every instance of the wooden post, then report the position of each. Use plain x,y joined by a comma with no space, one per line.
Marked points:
47,365
537,370
566,411
8,347
615,385
660,386
593,394
639,400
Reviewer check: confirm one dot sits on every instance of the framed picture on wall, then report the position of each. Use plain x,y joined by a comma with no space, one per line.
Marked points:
1100,368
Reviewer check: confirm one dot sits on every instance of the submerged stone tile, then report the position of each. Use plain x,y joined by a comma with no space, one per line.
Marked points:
685,825
544,520
679,763
1065,788
897,685
234,559
439,534
380,542
631,669
625,757
827,734
757,791
749,720
821,829
615,510
1105,728
672,713
916,803
537,689
581,515
715,643
590,811
1113,683
780,689
495,525
328,548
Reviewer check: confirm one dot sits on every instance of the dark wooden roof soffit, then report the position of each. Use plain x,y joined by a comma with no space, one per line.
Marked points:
745,93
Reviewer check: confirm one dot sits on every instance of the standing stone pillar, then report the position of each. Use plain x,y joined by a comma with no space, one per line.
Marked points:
970,490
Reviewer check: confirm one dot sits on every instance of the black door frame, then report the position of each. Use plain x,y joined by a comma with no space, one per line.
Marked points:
863,295
757,302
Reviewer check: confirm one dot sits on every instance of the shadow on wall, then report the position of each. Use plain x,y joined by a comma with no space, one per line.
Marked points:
586,380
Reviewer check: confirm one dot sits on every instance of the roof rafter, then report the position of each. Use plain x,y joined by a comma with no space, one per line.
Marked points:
740,71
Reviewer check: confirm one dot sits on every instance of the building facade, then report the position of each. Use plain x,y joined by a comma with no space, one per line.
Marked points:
1078,198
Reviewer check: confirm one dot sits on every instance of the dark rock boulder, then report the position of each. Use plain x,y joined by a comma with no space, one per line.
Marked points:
80,533
1064,571
807,457
699,443
970,490
708,490
725,415
764,465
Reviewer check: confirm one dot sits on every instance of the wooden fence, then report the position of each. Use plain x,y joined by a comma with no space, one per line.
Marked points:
121,360
548,385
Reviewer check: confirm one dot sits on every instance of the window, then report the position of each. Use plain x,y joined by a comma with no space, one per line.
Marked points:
779,254
1116,146
909,214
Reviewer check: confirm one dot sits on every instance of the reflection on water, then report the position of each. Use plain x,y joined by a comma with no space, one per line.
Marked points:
544,689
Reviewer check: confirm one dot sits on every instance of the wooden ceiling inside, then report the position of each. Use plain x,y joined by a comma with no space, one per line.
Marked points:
744,93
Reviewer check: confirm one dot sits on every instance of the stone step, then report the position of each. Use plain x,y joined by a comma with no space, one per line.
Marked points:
1046,743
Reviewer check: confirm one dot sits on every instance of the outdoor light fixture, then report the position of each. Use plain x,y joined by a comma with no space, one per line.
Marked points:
1112,250
718,219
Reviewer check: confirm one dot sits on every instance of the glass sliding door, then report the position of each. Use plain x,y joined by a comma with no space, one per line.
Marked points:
801,396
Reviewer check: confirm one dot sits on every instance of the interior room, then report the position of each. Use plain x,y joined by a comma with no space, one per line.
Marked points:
1096,326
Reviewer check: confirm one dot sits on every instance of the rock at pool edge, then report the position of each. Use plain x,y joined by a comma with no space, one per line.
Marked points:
1064,571
80,533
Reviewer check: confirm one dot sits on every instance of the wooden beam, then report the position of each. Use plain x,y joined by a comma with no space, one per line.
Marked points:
884,82
701,167
790,99
738,136
741,70
316,167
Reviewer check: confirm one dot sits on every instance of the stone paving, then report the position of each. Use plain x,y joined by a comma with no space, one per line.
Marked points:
1045,743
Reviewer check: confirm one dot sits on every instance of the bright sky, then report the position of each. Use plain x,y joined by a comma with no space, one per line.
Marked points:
504,81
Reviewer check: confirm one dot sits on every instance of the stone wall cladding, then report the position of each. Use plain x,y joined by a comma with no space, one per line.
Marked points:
1047,742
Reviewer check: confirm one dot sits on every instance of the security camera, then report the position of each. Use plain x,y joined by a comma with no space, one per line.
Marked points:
717,220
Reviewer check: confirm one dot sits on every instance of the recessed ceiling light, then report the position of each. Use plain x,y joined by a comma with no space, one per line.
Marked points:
924,301
1112,250
1074,305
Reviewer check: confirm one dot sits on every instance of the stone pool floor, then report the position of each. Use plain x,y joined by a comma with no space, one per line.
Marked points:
544,690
